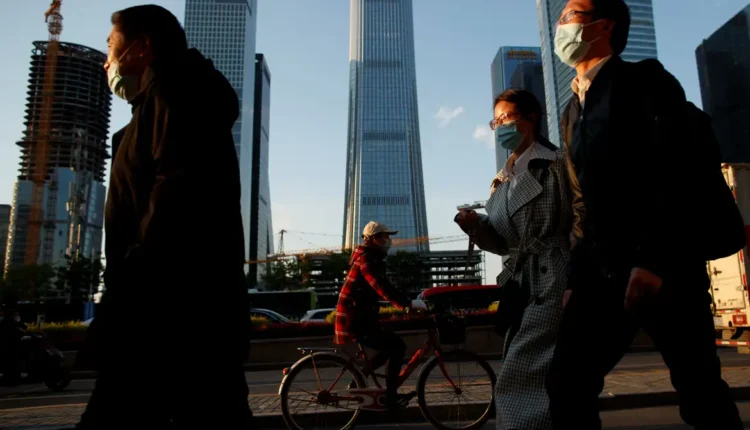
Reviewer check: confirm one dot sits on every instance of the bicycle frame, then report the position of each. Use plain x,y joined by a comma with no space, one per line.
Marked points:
430,343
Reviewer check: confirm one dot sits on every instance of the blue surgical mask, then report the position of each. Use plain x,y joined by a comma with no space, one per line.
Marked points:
124,87
508,136
569,45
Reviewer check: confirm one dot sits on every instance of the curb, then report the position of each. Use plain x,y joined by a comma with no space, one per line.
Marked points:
263,367
606,403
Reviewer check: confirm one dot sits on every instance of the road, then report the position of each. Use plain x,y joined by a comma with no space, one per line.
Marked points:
267,382
637,419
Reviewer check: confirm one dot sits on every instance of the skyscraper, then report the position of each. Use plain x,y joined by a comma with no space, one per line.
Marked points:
724,73
4,224
74,193
558,76
261,233
224,31
519,68
384,180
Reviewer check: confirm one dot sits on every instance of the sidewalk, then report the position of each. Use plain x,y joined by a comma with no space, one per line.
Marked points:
624,390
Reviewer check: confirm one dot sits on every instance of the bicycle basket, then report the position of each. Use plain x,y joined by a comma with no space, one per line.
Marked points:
451,329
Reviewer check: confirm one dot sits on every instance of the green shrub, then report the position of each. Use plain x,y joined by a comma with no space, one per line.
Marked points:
57,327
259,321
331,318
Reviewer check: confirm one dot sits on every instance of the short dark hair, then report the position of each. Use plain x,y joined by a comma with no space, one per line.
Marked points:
526,103
160,25
617,11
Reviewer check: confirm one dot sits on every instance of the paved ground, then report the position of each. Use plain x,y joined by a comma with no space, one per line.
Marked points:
29,407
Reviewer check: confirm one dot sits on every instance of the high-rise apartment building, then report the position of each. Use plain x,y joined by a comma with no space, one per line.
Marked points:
4,224
724,73
261,232
519,68
384,180
73,200
224,31
558,76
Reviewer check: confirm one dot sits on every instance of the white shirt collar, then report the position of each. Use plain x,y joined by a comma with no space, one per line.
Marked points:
581,85
512,169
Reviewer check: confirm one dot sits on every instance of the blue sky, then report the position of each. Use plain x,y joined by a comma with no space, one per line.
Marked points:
306,43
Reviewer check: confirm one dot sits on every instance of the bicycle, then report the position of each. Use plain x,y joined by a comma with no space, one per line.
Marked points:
353,390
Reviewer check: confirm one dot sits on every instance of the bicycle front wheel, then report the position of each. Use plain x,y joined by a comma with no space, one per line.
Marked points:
314,394
457,393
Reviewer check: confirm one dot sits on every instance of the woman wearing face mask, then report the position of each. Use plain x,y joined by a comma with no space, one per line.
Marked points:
529,220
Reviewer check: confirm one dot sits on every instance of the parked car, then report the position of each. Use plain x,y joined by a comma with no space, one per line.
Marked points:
317,315
271,316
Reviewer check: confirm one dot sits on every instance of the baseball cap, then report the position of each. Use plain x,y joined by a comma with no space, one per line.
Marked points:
372,228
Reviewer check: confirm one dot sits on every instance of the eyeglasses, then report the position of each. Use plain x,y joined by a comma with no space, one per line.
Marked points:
502,119
571,14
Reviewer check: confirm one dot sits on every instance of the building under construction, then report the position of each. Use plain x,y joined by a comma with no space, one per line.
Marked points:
430,269
74,148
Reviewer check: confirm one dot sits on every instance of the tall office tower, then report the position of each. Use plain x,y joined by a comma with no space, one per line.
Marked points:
558,76
4,224
519,68
261,232
224,31
73,200
384,180
724,73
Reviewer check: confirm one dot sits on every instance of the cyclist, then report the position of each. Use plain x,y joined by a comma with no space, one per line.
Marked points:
357,311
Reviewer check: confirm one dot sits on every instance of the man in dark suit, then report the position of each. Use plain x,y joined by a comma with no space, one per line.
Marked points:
633,266
171,333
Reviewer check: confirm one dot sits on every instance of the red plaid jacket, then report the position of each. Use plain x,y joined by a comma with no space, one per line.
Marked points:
366,283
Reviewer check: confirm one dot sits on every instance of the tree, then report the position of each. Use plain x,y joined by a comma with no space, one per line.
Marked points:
335,267
405,269
78,277
26,283
284,273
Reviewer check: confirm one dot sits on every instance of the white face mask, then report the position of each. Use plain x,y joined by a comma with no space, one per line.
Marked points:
124,87
569,45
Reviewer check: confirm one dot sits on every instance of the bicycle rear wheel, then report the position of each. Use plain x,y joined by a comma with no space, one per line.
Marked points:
308,393
462,388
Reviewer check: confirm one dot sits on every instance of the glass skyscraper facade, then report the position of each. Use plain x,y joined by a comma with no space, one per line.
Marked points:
384,180
558,76
261,233
724,73
519,68
224,31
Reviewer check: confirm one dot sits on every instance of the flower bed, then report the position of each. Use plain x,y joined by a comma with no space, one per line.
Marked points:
68,336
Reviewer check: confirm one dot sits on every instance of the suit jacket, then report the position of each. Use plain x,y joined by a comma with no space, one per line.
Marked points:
624,162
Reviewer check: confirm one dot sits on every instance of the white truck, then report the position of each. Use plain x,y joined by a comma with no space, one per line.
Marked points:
729,289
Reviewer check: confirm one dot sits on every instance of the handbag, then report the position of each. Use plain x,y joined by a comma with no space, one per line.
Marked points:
514,298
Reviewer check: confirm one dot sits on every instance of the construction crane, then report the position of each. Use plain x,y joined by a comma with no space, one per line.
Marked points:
328,250
41,139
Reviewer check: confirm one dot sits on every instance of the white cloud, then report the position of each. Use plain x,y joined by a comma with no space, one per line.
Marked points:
484,134
445,115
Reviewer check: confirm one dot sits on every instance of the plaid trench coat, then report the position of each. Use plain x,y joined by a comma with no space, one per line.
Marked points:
540,208
366,284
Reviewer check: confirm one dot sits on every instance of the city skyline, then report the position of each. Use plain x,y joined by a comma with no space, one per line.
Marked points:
384,180
224,32
454,47
558,76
